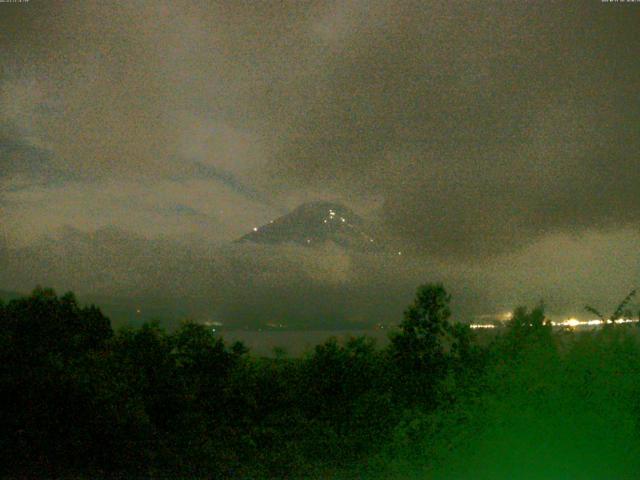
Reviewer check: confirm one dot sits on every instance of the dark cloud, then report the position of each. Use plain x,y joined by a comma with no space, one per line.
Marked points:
482,126
478,127
313,288
240,285
476,134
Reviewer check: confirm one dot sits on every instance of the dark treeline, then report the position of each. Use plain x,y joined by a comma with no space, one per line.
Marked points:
83,401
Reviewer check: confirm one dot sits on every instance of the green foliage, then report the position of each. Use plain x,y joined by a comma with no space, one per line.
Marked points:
621,311
419,345
82,401
419,348
527,329
427,318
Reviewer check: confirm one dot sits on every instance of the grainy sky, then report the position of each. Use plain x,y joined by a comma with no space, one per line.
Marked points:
498,141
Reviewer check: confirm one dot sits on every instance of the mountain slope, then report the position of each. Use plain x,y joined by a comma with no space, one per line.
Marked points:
315,223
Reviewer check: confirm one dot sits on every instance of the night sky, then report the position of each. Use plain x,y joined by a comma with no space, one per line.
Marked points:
497,144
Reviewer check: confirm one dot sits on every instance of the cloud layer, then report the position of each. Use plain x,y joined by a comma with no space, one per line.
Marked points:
472,132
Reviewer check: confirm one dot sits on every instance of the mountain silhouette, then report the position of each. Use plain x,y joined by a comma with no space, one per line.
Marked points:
315,223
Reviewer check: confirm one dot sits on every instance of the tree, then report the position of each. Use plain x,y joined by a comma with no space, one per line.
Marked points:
424,326
529,335
621,310
528,326
524,322
419,348
52,371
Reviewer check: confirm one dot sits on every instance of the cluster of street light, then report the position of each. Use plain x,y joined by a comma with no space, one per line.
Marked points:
574,322
568,323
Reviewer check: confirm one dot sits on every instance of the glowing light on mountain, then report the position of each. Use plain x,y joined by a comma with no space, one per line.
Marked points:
299,226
